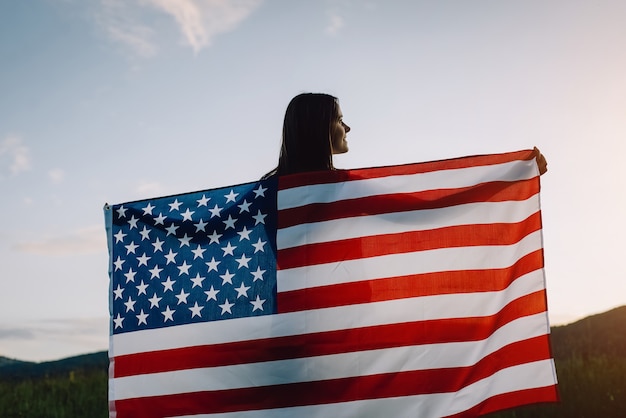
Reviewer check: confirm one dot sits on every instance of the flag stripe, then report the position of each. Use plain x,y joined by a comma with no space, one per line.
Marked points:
498,191
356,187
415,220
524,157
383,385
331,342
413,285
392,265
410,241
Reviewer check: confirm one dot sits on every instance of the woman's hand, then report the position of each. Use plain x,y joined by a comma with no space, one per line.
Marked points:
541,161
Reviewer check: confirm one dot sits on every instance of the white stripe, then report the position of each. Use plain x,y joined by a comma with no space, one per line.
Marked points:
416,220
525,376
394,265
409,183
337,366
329,319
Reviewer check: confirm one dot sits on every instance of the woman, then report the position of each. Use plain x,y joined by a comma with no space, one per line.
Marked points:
313,130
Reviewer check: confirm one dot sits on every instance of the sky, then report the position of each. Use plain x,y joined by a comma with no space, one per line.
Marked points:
119,100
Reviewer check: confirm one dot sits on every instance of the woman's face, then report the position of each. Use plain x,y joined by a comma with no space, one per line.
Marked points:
338,131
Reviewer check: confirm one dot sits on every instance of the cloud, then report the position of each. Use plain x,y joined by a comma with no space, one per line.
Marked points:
119,20
87,240
199,21
43,340
335,23
56,175
14,155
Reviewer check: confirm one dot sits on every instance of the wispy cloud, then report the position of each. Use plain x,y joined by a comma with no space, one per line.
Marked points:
199,21
56,175
14,155
87,240
53,339
335,23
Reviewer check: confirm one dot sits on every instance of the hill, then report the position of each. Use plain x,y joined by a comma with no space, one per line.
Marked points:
16,369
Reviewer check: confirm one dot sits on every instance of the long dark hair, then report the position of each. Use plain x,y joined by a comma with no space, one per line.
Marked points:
306,142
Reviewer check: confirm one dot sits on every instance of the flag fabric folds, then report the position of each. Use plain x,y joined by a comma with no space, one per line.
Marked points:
405,291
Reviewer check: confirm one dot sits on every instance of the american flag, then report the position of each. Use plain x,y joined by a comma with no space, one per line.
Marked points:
410,291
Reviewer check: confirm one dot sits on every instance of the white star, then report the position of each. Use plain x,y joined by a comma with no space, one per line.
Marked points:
182,296
119,237
145,233
230,197
175,205
184,241
154,301
195,310
168,284
142,318
259,218
143,260
243,261
226,307
229,249
118,263
259,191
158,245
121,212
118,321
155,272
257,304
132,222
259,246
168,314
215,211
118,292
159,219
200,225
203,201
242,290
198,252
244,207
141,288
148,209
187,214
197,281
212,264
183,268
211,294
227,277
130,276
171,257
230,222
258,274
171,230
130,305
244,234
130,248
214,238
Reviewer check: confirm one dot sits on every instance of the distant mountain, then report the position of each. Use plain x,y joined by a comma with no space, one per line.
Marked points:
15,369
601,335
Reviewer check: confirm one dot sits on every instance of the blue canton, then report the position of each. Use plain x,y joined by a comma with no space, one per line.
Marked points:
195,257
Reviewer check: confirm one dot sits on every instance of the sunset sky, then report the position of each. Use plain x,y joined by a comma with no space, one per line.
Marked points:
118,100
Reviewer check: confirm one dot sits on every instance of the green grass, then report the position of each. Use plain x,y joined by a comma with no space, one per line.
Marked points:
72,395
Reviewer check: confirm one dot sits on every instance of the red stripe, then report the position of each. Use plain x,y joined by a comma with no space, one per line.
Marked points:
498,191
415,285
337,390
336,176
332,342
406,242
511,400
